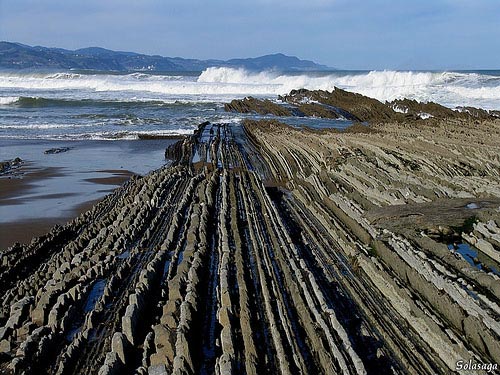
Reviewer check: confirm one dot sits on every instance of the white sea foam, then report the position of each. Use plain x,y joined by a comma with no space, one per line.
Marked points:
6,100
476,92
223,83
181,131
61,76
103,135
399,109
231,120
46,126
448,88
425,115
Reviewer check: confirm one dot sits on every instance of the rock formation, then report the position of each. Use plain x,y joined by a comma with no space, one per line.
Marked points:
341,104
8,165
269,249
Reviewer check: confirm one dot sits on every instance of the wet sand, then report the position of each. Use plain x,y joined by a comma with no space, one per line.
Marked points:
117,177
23,231
50,189
12,191
22,180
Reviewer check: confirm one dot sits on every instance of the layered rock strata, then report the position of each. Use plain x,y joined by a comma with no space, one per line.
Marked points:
265,249
341,104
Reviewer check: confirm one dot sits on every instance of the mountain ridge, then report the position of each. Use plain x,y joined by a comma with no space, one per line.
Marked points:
18,56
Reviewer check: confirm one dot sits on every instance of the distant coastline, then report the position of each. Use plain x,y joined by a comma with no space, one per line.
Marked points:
17,56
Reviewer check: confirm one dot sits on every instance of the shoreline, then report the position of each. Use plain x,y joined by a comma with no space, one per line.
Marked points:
50,188
267,248
24,230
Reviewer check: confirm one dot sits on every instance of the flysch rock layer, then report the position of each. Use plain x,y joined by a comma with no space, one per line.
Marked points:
341,104
268,249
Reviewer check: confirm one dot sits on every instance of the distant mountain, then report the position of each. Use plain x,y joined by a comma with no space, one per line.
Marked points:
20,56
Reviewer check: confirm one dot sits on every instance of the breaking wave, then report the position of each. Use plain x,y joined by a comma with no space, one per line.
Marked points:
448,88
40,102
6,100
103,135
223,83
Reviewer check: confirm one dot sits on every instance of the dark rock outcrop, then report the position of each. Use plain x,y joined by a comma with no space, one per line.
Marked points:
419,110
323,104
354,107
253,105
56,150
7,165
360,107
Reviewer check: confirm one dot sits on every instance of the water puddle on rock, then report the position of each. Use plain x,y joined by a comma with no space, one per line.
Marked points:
196,156
472,206
124,255
470,254
94,295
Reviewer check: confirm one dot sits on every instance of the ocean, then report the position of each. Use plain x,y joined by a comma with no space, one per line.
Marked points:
108,106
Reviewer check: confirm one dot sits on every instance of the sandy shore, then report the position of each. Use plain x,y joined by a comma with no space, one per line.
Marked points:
50,189
117,177
24,231
271,249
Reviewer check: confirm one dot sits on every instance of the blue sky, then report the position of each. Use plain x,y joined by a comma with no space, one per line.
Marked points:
350,34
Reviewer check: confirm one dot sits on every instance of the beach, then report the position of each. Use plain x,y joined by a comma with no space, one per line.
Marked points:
51,188
269,248
250,188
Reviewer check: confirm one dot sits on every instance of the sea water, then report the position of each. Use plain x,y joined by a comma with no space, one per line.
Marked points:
108,105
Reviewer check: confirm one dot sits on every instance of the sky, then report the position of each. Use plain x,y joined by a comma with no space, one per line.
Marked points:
346,34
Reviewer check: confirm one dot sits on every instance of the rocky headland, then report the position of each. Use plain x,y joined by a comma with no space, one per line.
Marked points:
265,248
